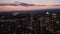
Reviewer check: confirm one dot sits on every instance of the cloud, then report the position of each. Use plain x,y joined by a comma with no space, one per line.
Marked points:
26,4
8,4
16,4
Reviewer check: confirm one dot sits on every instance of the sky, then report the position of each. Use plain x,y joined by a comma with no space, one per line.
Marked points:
8,8
38,2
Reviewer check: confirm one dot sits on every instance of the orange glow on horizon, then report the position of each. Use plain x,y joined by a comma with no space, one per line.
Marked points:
26,7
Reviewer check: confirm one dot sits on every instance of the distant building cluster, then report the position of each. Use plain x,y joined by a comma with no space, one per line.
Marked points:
30,23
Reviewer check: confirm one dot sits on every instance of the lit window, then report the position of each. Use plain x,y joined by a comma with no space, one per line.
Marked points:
15,14
53,13
57,22
47,12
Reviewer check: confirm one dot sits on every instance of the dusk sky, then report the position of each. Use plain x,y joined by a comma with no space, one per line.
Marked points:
39,2
49,4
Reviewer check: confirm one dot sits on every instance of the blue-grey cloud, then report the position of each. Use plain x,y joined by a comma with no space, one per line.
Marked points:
39,2
16,4
26,4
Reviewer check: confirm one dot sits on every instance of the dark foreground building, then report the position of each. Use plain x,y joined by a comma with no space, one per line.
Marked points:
34,22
